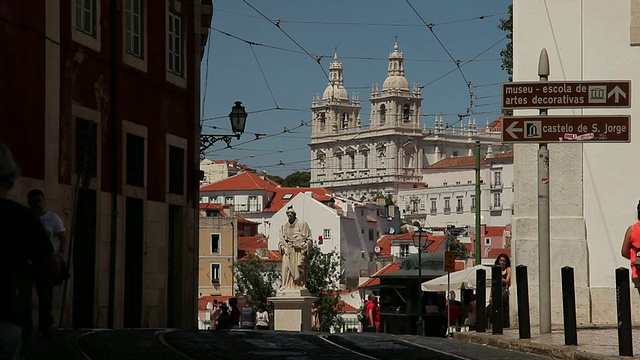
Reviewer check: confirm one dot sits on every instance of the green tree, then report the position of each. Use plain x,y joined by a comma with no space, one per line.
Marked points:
257,279
276,178
453,244
322,282
507,52
298,179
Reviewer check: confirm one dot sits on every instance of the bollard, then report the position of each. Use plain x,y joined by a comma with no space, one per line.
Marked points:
623,301
569,306
481,300
524,323
496,300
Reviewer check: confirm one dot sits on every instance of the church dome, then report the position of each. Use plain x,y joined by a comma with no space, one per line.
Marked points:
395,82
335,92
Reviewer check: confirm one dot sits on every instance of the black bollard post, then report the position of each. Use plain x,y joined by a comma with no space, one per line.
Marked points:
569,306
623,300
524,323
496,300
481,300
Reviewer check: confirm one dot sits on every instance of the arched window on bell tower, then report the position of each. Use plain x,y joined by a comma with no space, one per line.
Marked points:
406,113
383,114
345,120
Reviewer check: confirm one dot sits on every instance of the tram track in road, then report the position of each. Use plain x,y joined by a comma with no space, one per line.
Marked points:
128,344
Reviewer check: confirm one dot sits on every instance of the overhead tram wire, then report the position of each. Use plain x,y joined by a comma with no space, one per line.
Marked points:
206,77
277,24
462,63
264,76
353,23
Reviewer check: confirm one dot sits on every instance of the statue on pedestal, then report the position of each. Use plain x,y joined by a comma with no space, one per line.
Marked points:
295,243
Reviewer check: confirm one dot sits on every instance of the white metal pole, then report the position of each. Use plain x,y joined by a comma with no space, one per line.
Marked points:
544,246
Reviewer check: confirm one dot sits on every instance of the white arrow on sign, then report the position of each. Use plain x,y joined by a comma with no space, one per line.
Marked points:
512,130
617,92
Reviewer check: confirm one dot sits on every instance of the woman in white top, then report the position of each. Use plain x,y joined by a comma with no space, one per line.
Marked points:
262,319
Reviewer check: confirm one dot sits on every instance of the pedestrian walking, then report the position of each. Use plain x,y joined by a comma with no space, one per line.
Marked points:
315,317
25,249
44,284
234,313
631,249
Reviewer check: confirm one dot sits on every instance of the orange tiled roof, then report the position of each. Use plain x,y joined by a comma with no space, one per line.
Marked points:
493,253
393,267
252,242
385,241
348,308
272,256
467,161
242,181
437,240
495,230
279,201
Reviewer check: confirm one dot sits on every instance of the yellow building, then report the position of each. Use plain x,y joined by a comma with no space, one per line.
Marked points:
218,250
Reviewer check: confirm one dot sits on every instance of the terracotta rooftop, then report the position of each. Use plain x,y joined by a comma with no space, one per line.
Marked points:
496,230
393,267
385,241
467,162
493,253
284,195
243,181
252,242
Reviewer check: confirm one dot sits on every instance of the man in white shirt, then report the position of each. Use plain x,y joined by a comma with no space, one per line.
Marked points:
44,285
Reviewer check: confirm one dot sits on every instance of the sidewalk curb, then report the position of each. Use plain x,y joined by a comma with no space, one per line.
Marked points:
526,345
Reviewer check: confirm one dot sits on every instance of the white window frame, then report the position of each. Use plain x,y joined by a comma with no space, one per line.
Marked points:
253,203
487,241
326,234
496,200
404,250
219,243
86,10
90,39
226,198
176,8
175,35
214,271
134,27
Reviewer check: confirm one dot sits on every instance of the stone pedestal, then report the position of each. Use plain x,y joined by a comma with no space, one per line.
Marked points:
292,310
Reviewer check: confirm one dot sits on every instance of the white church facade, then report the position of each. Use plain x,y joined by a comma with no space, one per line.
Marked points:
390,152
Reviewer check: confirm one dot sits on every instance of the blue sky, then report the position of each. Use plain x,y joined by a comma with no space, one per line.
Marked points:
277,72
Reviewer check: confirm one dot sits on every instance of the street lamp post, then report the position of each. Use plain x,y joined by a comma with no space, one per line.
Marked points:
419,238
238,117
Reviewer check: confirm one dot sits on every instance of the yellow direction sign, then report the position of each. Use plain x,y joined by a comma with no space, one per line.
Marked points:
449,261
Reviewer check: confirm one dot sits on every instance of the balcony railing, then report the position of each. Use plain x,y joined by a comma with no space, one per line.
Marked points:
496,185
447,211
459,209
433,212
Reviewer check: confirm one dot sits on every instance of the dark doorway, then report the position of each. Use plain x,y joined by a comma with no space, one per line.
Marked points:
133,262
84,260
175,283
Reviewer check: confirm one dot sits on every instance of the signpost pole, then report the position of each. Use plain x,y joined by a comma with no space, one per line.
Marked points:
477,205
544,246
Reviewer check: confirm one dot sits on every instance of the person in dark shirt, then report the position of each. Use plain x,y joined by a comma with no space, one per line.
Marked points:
25,248
234,313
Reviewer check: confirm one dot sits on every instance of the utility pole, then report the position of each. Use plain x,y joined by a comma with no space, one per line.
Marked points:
544,244
477,205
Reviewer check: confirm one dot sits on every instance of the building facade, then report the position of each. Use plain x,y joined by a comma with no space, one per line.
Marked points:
388,154
448,196
592,186
107,93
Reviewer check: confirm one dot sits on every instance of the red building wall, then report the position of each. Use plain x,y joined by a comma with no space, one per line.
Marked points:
22,108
